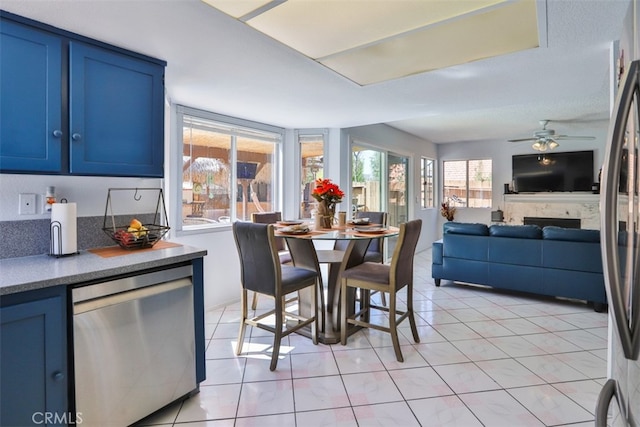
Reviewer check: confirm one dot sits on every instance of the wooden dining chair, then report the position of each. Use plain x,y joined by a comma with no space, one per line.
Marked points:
262,272
389,278
283,252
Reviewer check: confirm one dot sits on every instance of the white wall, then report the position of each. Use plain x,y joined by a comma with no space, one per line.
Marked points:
89,192
221,265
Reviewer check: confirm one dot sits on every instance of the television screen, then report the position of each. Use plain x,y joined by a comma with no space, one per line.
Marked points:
247,170
569,171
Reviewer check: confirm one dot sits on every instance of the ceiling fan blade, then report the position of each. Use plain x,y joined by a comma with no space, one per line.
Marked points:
565,137
522,139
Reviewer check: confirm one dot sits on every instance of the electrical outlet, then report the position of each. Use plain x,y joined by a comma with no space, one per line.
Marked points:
27,204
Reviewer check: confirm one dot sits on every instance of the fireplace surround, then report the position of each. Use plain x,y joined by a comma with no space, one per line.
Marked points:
580,206
558,222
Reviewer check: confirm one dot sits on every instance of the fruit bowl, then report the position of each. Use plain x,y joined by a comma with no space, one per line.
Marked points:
139,239
142,209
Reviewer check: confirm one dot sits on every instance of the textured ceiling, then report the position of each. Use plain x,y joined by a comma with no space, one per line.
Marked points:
221,64
374,41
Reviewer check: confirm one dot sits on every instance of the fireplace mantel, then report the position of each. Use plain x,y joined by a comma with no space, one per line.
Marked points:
556,197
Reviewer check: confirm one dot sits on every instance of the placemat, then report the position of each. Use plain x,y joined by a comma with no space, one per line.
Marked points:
111,251
310,234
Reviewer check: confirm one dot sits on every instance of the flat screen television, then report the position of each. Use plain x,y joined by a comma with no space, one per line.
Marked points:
247,170
543,172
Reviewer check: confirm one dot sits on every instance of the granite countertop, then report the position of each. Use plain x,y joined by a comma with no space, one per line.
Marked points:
42,271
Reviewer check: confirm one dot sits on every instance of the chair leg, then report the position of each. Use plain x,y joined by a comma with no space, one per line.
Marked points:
320,304
243,325
254,302
365,304
383,298
277,336
393,327
343,311
412,319
314,324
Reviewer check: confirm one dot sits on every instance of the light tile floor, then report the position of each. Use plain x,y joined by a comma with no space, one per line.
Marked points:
485,358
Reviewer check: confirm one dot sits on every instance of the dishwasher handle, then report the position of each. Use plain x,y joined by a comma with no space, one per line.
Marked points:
129,283
97,303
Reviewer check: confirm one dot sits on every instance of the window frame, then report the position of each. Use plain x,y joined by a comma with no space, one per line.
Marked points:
424,200
467,183
299,136
241,126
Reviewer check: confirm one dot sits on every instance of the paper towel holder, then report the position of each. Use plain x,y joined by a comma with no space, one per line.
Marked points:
55,231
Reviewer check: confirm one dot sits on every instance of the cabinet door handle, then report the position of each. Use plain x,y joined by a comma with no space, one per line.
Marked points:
76,137
57,376
57,133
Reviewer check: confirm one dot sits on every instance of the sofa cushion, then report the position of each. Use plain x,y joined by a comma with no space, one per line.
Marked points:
571,234
576,256
465,246
474,229
508,250
517,231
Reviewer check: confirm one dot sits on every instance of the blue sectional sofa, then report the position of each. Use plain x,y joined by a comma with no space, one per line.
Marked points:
553,261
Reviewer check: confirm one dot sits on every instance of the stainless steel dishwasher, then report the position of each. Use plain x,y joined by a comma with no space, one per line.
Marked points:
134,346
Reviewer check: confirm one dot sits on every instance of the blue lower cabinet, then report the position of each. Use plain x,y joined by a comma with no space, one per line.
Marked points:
33,367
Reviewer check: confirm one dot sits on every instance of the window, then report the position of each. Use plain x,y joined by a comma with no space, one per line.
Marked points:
427,188
468,182
229,170
312,164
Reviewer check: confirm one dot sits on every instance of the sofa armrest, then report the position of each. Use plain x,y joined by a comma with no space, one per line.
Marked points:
436,252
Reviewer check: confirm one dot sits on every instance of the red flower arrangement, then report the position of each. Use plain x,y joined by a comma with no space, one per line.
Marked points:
327,191
327,194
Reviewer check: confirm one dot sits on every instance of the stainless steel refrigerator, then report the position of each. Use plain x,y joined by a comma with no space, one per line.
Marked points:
619,400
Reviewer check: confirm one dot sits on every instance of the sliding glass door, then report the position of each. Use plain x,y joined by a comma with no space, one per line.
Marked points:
379,182
366,179
398,195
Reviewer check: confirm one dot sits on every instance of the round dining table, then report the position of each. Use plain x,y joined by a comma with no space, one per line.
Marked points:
302,248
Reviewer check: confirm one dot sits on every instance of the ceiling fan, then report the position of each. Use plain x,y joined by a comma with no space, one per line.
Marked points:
546,139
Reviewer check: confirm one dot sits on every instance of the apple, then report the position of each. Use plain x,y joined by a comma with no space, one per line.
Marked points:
124,237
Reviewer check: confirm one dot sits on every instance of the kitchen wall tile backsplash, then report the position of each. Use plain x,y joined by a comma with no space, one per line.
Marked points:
32,237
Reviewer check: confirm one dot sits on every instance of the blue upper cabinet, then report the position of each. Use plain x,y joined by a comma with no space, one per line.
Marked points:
116,113
72,105
31,100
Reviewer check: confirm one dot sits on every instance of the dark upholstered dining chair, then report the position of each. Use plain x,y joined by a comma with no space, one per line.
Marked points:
262,272
389,278
375,250
283,253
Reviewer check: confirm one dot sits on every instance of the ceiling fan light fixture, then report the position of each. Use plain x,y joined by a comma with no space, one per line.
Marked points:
546,139
539,146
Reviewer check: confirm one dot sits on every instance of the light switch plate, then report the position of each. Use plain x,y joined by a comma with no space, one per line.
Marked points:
27,204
